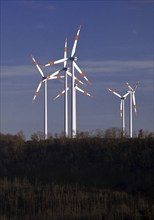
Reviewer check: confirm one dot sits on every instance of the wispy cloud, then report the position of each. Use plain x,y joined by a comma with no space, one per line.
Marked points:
113,66
134,31
23,70
92,67
40,26
38,4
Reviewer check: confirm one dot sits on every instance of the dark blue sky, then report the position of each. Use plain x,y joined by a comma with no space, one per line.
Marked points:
115,46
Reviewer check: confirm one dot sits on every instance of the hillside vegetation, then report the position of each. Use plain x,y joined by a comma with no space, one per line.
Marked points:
84,178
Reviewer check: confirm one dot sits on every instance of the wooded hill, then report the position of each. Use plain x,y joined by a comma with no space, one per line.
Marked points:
110,164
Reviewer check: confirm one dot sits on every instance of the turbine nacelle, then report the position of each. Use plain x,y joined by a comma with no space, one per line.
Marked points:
65,69
44,78
73,58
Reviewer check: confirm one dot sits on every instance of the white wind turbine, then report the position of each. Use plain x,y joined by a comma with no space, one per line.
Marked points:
132,100
44,80
72,58
67,73
122,108
66,69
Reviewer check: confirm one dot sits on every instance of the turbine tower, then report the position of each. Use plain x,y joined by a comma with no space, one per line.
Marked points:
66,69
44,80
122,108
132,100
75,88
66,95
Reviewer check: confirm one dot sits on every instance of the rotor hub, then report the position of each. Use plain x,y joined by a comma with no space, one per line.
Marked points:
65,68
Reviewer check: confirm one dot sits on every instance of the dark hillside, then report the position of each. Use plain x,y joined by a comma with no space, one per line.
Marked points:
116,164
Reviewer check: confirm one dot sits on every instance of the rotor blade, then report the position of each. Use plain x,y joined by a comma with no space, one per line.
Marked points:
130,88
70,74
65,53
135,87
115,93
82,74
55,62
134,103
75,42
36,64
61,93
84,92
53,77
54,74
126,95
121,109
37,90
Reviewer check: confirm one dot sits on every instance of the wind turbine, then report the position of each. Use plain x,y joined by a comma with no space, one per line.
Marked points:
67,73
122,108
132,100
65,88
72,58
74,87
44,80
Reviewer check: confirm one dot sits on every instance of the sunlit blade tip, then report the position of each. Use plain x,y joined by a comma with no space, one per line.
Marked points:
34,60
48,64
77,79
84,92
130,88
135,87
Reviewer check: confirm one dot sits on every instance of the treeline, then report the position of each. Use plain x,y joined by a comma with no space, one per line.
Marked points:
113,132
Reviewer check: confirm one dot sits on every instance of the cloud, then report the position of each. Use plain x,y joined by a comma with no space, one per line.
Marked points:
25,79
40,26
102,74
38,4
24,71
134,31
97,71
94,67
113,66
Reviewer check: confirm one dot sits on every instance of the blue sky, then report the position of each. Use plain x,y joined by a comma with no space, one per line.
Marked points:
115,46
